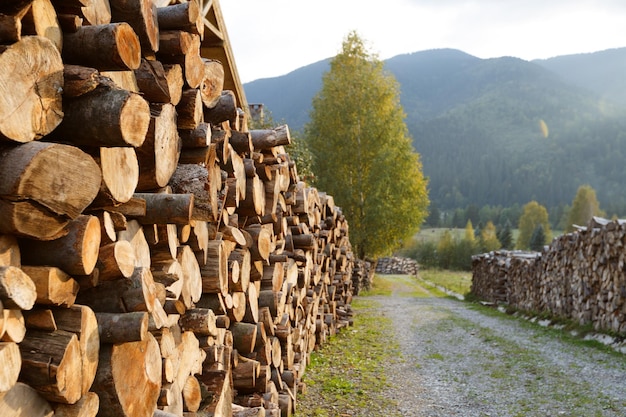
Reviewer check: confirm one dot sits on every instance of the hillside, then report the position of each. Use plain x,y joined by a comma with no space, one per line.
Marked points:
601,72
476,123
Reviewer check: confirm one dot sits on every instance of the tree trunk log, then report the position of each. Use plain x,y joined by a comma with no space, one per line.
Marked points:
51,363
105,47
122,327
128,380
212,82
31,403
141,15
14,328
61,178
189,109
76,253
152,81
81,320
185,16
167,208
17,289
54,287
120,175
224,110
87,406
268,139
116,260
31,83
159,154
11,364
105,118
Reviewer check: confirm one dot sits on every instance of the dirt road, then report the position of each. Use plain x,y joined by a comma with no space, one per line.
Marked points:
461,361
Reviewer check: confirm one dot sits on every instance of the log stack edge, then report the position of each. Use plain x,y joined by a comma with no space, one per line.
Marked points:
157,257
580,276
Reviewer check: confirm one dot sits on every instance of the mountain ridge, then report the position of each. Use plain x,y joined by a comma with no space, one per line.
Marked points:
468,116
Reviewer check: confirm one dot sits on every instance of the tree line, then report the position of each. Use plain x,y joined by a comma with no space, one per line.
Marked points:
533,230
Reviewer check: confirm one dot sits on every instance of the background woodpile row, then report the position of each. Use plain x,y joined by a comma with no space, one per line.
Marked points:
397,265
157,257
579,276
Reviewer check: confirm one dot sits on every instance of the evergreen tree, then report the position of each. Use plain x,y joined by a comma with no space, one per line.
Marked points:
538,239
584,207
362,152
533,215
505,236
469,231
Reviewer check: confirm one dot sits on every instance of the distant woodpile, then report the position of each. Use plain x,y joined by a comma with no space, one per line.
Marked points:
397,265
579,276
157,257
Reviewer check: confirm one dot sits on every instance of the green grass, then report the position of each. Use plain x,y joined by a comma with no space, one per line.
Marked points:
458,281
347,376
403,285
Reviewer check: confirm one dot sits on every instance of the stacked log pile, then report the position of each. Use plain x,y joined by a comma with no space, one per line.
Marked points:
397,265
157,257
579,276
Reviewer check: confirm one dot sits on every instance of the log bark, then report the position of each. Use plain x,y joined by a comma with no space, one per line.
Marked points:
51,363
201,321
200,137
167,208
158,156
31,83
193,179
122,327
152,81
128,381
54,287
32,404
189,109
267,139
79,80
29,219
105,118
108,47
76,253
184,16
32,170
225,110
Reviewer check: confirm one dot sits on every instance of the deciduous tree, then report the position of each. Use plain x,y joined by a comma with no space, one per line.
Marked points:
362,152
533,215
584,206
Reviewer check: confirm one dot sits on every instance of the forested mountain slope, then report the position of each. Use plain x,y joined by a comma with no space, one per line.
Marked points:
494,131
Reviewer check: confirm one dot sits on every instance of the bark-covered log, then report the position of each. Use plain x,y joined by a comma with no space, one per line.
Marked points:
105,47
105,118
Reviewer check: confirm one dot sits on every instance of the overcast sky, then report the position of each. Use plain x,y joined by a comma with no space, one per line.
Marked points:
273,37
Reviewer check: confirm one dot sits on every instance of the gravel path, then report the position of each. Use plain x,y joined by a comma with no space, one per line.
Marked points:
461,362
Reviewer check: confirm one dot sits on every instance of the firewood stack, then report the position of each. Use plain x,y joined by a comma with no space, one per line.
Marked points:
579,276
157,257
397,265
